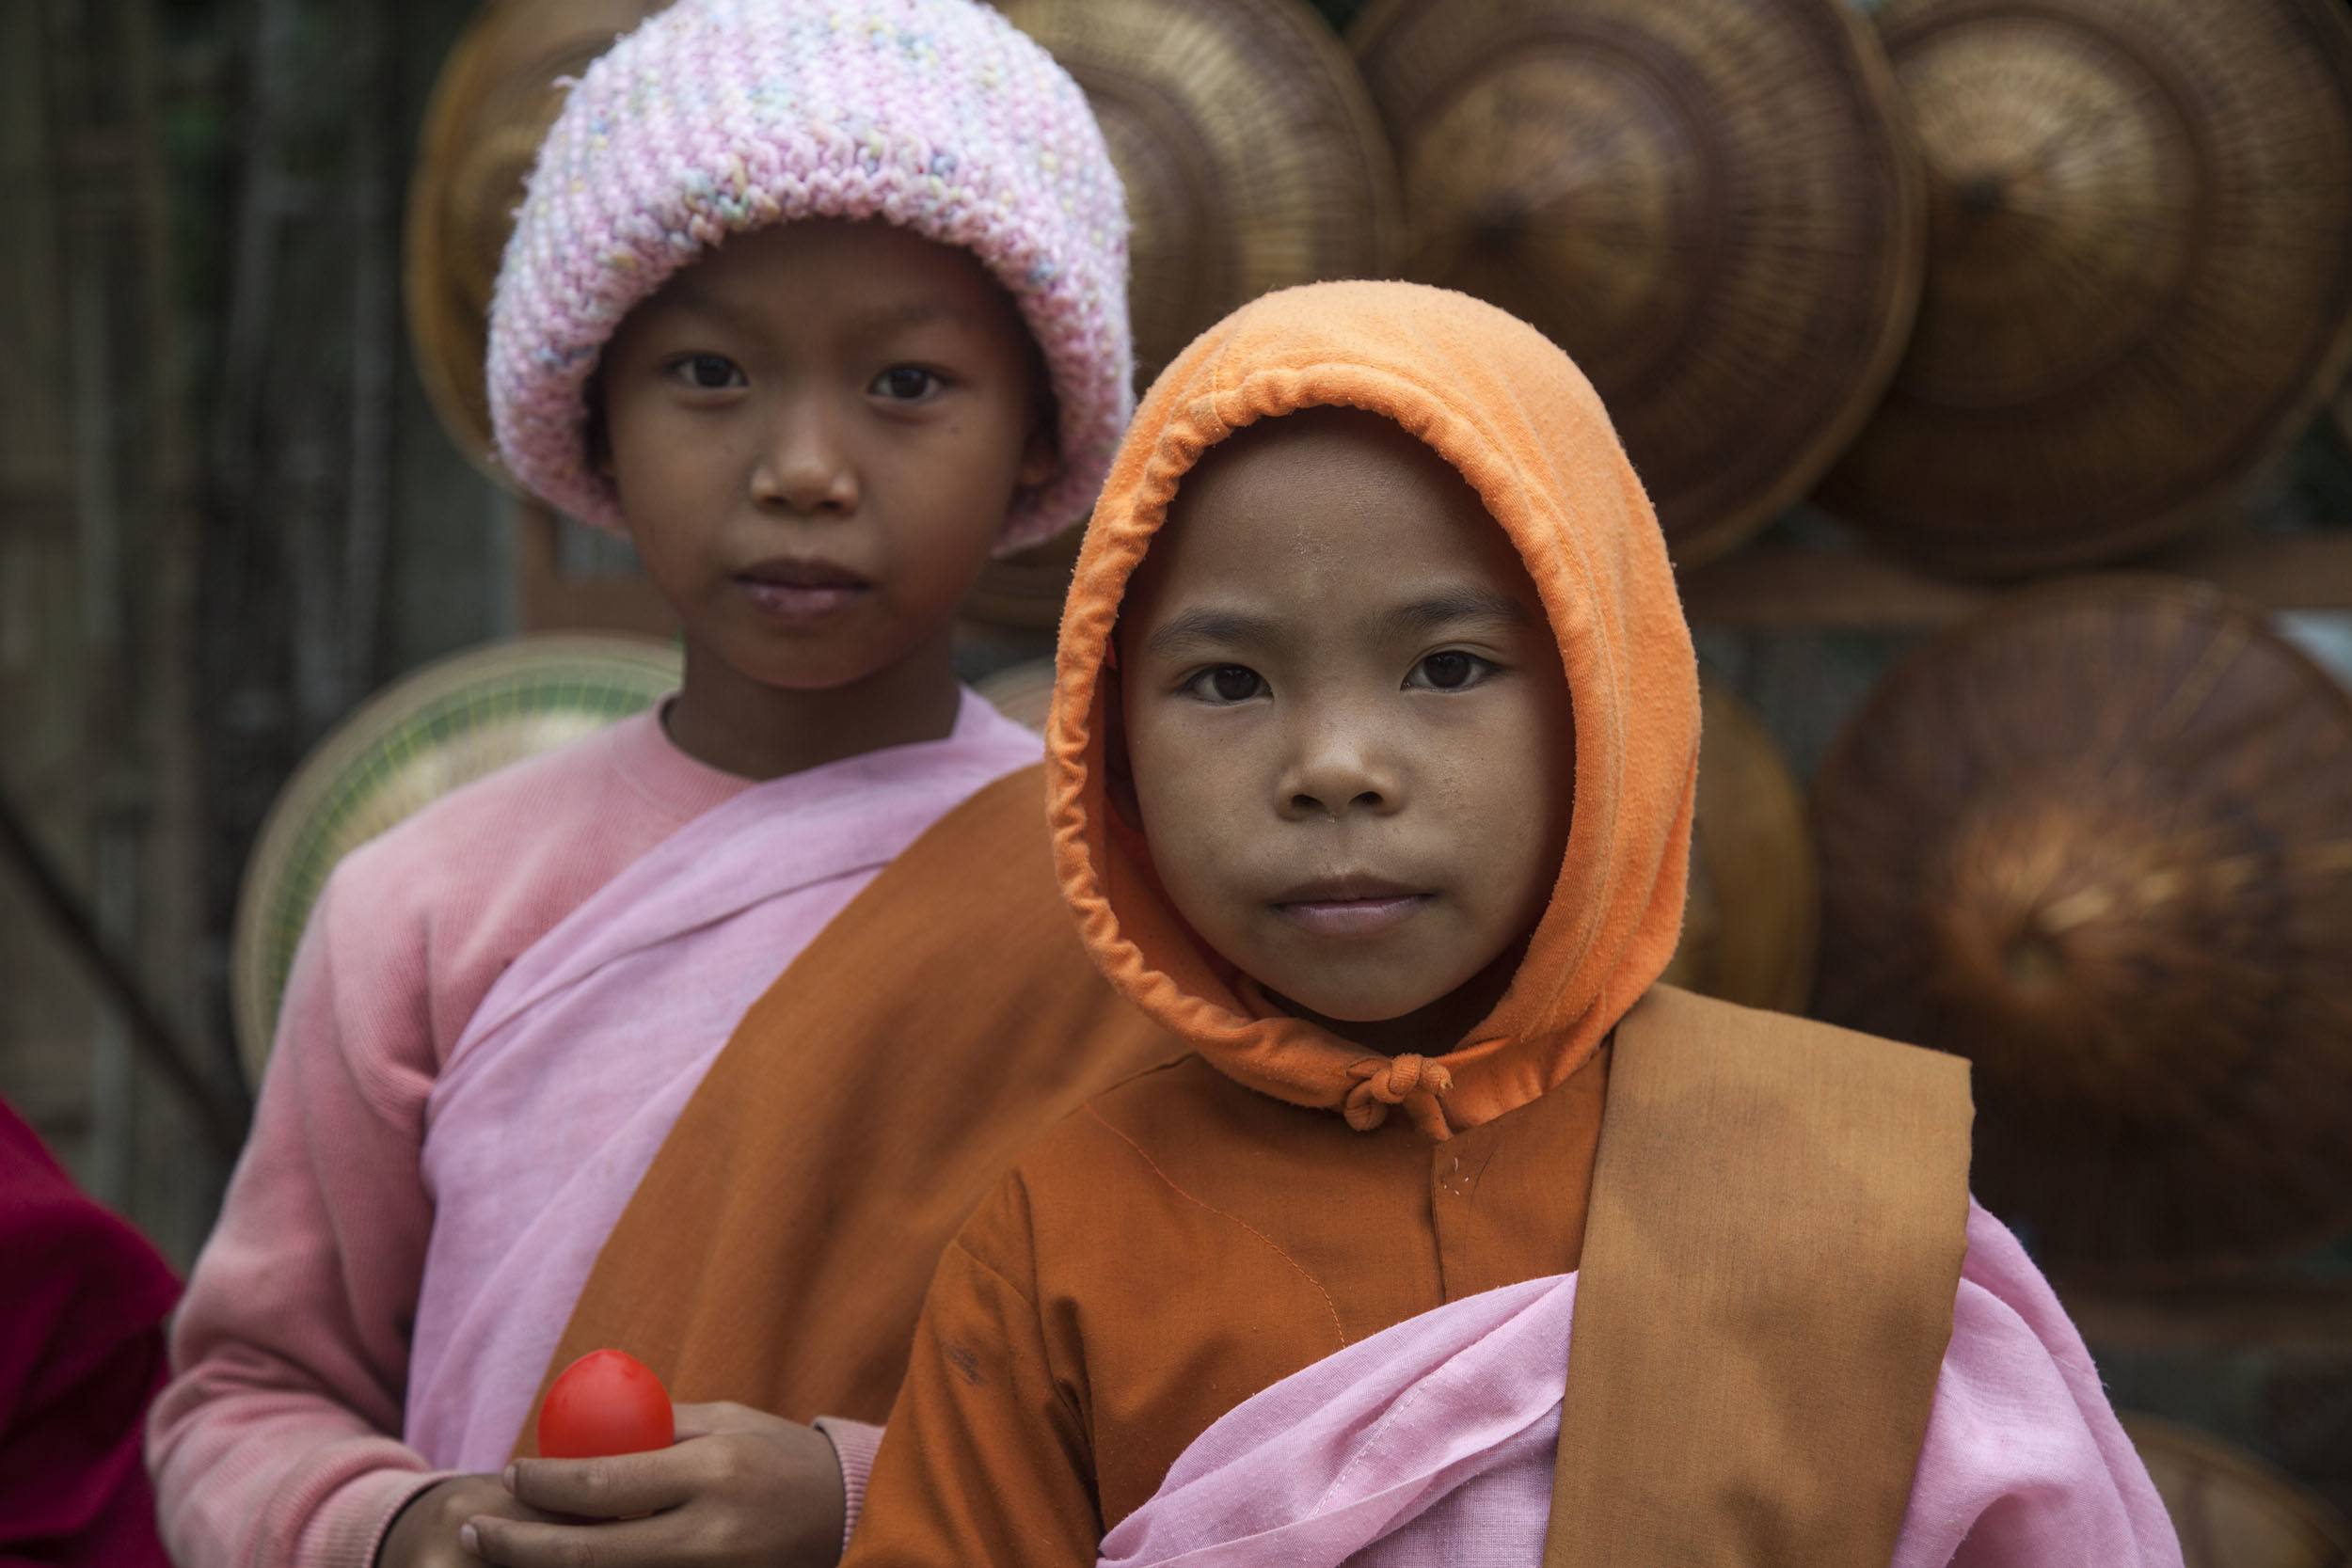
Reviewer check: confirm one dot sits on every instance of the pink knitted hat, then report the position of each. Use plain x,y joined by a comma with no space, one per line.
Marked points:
717,116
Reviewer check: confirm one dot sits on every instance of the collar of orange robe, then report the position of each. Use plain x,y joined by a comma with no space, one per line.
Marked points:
1506,407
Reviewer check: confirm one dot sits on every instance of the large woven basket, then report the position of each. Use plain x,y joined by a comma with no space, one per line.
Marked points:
445,725
1707,203
2231,1510
1252,160
2140,280
2099,841
496,96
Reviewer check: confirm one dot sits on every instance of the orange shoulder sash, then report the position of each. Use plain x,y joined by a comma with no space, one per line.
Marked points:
1777,1223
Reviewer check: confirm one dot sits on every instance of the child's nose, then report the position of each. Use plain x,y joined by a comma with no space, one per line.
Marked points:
806,467
1336,772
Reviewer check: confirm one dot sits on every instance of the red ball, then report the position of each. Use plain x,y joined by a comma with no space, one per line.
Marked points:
606,1403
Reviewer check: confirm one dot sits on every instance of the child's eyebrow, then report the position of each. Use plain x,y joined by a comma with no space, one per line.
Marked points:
905,316
1211,627
877,323
1456,603
1208,627
687,295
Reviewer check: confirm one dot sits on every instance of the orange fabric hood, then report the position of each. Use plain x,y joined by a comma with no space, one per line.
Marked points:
1507,409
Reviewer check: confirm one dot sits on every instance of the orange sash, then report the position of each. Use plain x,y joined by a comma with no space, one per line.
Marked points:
1777,1223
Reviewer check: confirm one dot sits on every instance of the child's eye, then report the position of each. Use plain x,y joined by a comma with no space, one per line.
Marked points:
906,384
1450,671
709,372
1226,683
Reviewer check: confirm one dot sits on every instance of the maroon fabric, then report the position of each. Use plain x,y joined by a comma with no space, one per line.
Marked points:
82,1303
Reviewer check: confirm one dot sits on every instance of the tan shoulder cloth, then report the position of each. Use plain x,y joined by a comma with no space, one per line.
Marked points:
778,1248
1779,1214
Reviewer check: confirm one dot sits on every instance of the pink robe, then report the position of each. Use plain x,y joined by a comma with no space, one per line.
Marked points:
599,1034
1434,1442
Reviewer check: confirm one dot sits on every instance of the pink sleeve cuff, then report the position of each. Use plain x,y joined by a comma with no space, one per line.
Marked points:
349,1527
854,1444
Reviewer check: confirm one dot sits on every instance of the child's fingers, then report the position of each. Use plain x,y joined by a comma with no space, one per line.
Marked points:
625,1486
518,1544
703,1421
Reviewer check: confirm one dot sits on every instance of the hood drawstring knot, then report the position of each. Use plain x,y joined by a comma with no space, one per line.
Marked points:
1386,1081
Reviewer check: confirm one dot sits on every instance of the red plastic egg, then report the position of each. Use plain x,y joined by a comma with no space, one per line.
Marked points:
606,1403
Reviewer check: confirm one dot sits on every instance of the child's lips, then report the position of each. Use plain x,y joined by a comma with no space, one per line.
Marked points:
785,602
1351,907
1353,917
802,591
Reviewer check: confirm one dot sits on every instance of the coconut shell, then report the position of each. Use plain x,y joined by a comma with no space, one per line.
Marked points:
2139,272
2099,841
443,726
1708,203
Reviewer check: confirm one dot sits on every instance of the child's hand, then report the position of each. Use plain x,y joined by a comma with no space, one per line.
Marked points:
425,1534
738,1487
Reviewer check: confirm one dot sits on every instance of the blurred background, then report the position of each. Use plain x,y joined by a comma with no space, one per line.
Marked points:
1986,360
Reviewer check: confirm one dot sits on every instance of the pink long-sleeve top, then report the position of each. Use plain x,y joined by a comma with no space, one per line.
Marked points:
278,1439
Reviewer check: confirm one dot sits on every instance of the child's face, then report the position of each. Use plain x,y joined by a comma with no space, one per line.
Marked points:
1347,719
816,432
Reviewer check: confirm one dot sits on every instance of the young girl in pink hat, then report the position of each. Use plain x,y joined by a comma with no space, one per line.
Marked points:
822,304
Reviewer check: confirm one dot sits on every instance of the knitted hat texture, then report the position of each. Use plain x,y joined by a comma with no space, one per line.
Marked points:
719,117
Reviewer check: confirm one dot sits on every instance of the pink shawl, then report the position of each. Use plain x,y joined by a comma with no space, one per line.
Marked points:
570,1074
1435,1442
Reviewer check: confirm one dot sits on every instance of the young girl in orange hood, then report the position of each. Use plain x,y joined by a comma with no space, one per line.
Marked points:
1457,1238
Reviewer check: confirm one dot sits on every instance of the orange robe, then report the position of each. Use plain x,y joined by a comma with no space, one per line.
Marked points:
1178,1245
